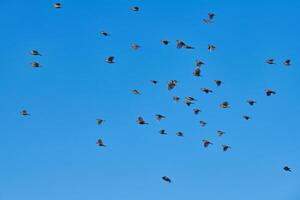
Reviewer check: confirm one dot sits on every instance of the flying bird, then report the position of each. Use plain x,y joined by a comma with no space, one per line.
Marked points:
172,84
220,133
35,53
135,8
163,132
269,92
287,62
199,63
57,5
197,71
110,59
206,90
225,105
165,42
211,48
167,179
270,61
286,168
154,81
35,65
225,147
251,102
196,111
180,44
209,19
100,143
179,134
135,46
99,121
206,143
24,113
189,47
176,98
218,82
203,123
189,98
135,91
104,33
141,121
188,103
159,117
246,117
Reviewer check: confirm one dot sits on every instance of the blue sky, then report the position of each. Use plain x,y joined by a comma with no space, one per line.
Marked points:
52,153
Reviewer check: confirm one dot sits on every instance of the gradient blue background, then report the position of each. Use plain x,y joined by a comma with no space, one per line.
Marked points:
52,153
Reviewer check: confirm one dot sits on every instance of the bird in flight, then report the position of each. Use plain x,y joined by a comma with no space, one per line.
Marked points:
287,169
206,143
225,147
165,42
199,63
287,62
110,59
35,65
99,121
163,132
211,48
57,5
197,71
24,113
176,98
218,82
172,84
220,133
135,8
154,81
159,117
136,91
35,53
104,33
269,92
209,19
167,179
251,102
196,111
179,134
270,61
246,117
141,121
225,105
206,90
189,98
135,46
180,44
203,123
100,143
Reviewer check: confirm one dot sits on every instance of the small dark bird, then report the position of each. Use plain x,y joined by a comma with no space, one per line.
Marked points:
35,65
109,59
154,81
165,42
179,134
209,18
251,102
135,46
180,44
141,121
203,123
35,53
225,147
286,168
188,103
189,47
135,91
167,179
218,82
206,143
99,121
225,105
196,111
287,62
269,92
57,5
270,61
159,117
135,8
189,98
197,71
24,113
211,48
172,84
163,132
220,133
100,143
104,33
206,90
199,63
176,98
246,117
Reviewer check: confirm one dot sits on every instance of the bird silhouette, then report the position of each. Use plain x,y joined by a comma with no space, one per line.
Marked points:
197,71
218,82
167,179
24,113
135,8
206,143
287,62
163,132
203,123
165,42
100,143
57,5
109,59
286,168
206,90
135,91
225,104
35,53
270,61
225,147
35,65
196,111
141,121
179,134
269,92
99,121
159,117
220,133
246,117
251,102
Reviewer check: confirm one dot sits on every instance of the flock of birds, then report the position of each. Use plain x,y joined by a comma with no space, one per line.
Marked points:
188,100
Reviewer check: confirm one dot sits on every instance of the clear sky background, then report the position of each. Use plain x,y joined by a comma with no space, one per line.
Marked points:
52,153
